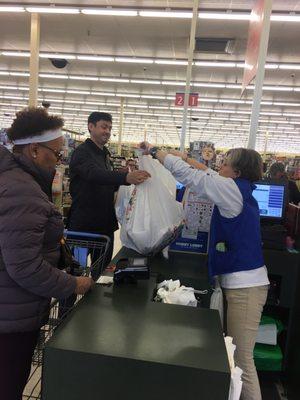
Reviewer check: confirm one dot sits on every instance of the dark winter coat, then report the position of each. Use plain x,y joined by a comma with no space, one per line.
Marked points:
30,232
92,186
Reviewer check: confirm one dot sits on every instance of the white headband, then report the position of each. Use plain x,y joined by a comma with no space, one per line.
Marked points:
45,136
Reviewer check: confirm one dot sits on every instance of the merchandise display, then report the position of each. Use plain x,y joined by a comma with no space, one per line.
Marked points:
204,152
198,210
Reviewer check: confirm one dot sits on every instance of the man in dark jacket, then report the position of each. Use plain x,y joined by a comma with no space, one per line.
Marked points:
93,182
277,173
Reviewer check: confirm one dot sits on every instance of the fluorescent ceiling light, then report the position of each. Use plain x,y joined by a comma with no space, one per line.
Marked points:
225,64
109,11
77,91
279,103
11,9
114,80
174,83
212,85
225,16
271,66
272,114
289,66
166,14
135,106
6,73
215,64
16,53
134,60
53,10
231,101
170,62
145,81
267,66
144,96
58,56
233,86
14,97
26,74
84,78
279,88
204,100
103,94
53,90
95,58
285,17
54,76
163,107
135,96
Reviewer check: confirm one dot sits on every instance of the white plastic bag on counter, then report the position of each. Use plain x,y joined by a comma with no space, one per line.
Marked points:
123,197
171,292
153,217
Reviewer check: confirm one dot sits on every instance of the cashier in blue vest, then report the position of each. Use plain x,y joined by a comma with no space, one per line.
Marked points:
235,252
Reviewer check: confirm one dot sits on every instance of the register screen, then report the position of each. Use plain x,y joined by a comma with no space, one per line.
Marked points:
270,200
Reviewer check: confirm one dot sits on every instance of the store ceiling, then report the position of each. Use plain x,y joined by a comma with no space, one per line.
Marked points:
221,115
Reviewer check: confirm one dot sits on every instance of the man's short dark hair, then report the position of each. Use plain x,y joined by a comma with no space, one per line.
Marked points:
32,121
98,116
275,168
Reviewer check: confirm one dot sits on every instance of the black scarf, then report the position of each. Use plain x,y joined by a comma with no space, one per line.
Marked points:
41,175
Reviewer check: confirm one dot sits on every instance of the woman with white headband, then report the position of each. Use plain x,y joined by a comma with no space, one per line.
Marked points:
30,233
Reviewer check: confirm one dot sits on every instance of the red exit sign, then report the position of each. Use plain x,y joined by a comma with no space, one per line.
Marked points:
193,99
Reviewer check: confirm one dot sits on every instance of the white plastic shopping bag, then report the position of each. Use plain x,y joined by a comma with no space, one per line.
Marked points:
216,300
123,198
153,217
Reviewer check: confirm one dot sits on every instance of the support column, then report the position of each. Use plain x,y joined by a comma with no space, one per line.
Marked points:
121,125
189,74
266,146
260,74
145,132
34,59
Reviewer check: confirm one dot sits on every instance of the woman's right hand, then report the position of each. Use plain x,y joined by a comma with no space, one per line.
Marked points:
145,146
83,284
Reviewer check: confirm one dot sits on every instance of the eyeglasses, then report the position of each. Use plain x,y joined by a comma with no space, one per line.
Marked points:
58,154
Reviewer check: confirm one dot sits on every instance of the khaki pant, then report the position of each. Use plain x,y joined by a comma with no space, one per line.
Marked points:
243,316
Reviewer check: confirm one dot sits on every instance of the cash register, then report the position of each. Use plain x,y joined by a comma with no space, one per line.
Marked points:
272,202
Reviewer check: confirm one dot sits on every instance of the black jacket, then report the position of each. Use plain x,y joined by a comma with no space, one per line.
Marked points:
92,187
294,194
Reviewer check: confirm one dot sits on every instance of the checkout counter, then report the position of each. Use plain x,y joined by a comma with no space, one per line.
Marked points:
117,343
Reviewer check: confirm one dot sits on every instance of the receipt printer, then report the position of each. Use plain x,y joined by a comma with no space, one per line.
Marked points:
131,269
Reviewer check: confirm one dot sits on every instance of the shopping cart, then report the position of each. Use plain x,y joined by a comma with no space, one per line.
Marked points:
90,251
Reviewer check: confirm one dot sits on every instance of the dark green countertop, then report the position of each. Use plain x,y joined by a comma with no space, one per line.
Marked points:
124,322
118,343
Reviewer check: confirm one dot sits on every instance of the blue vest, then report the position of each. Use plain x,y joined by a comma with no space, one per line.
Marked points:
235,243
